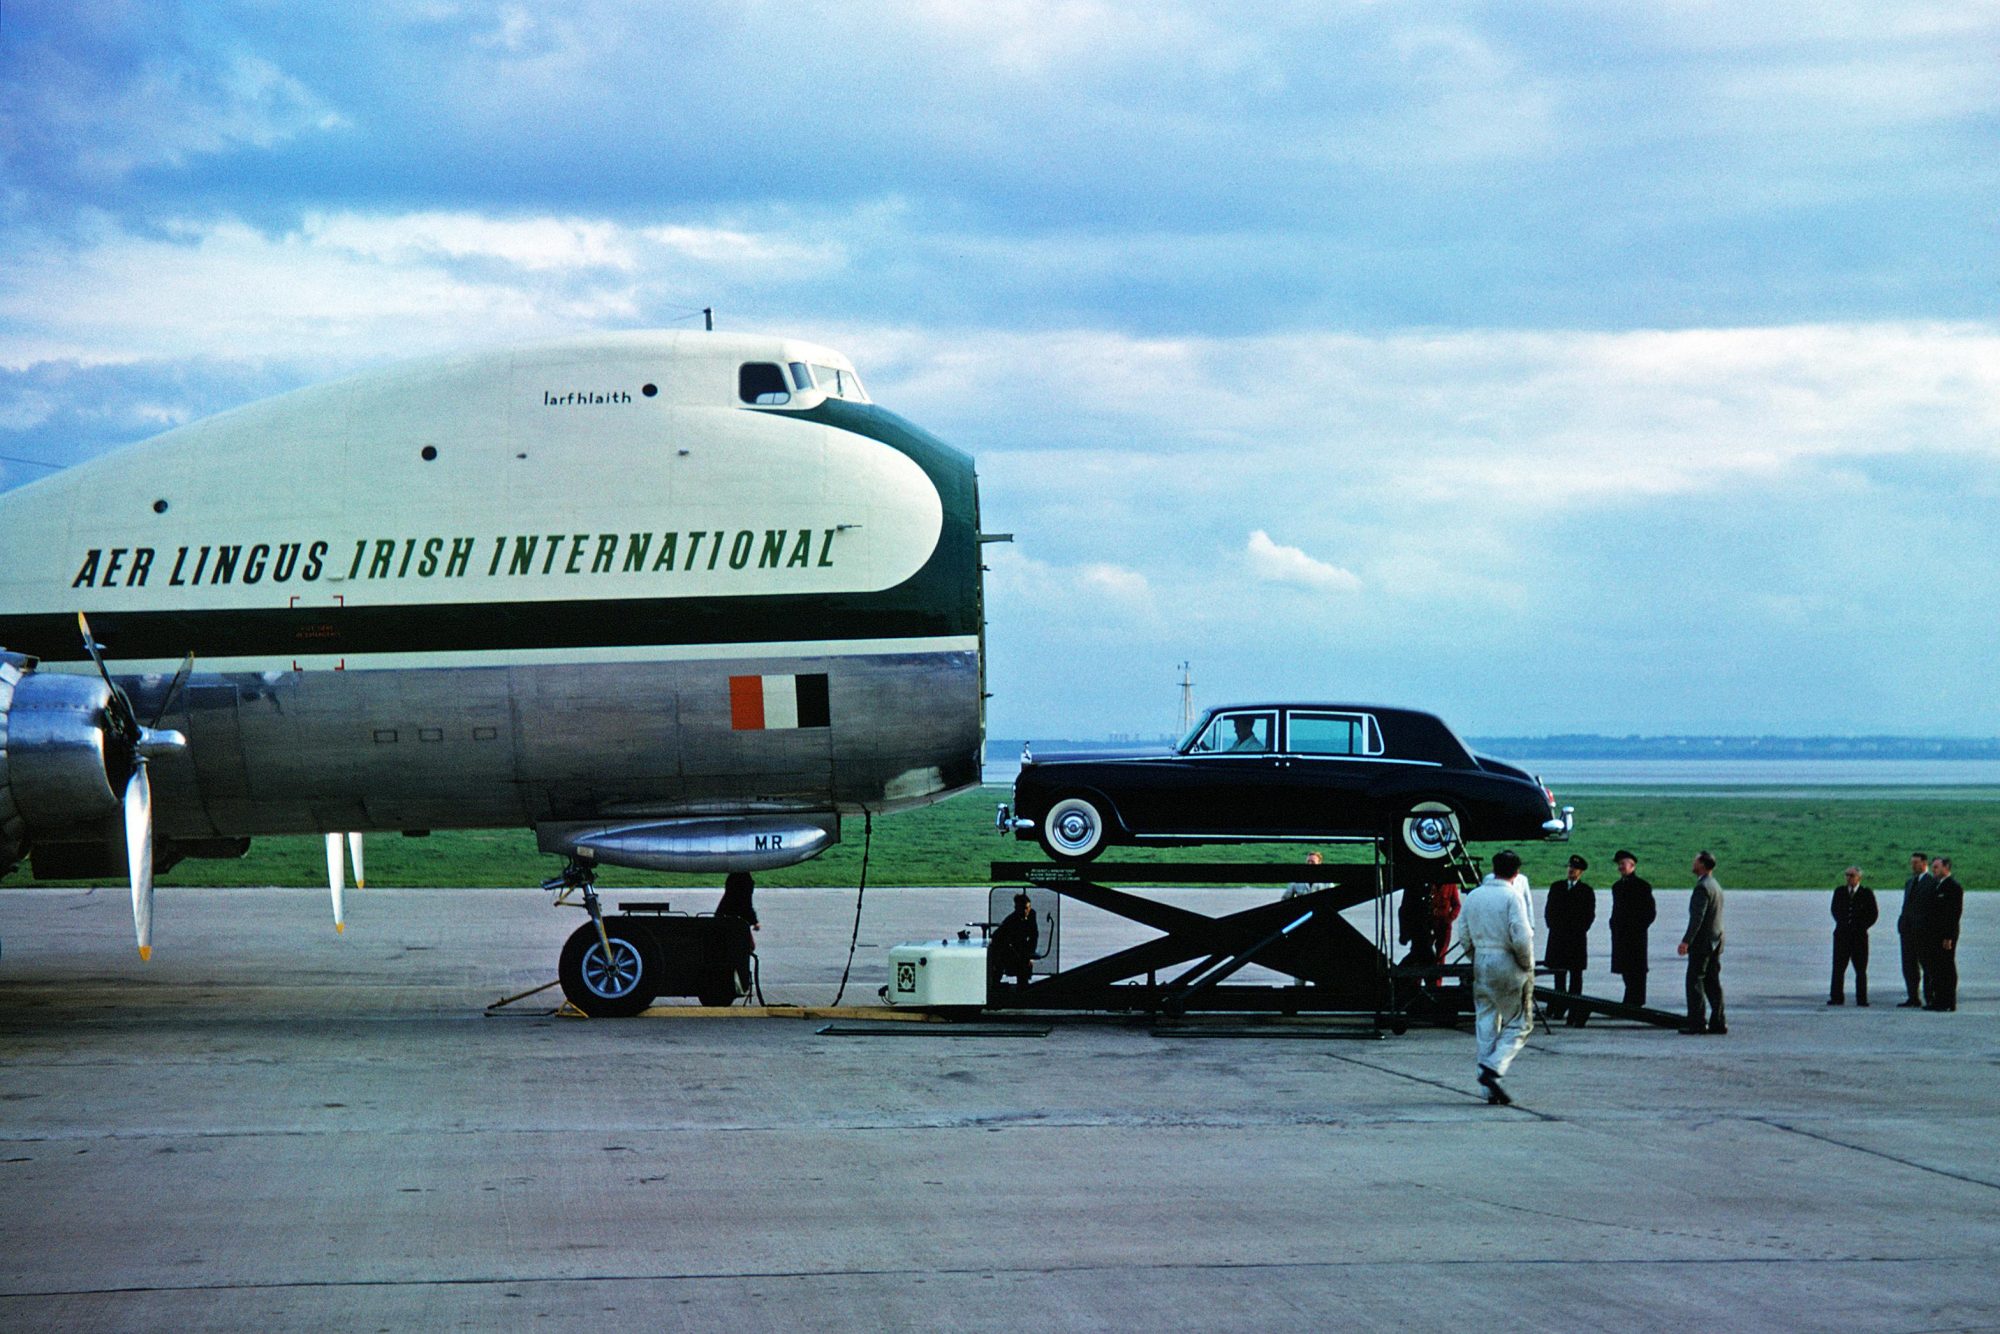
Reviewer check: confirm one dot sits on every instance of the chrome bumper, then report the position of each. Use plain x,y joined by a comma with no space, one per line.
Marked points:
1558,830
1005,821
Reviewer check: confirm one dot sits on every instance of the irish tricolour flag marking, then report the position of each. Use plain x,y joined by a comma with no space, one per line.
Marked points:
770,703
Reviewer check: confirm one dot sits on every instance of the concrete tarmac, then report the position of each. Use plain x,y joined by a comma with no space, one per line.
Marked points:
271,1127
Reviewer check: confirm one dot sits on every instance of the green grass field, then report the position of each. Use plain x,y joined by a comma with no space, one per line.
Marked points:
1760,842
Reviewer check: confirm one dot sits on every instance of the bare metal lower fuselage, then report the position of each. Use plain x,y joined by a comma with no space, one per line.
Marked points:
556,743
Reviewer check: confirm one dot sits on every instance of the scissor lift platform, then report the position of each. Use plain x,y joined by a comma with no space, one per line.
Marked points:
1336,969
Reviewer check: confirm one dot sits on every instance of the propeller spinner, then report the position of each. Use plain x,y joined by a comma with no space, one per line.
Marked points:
140,743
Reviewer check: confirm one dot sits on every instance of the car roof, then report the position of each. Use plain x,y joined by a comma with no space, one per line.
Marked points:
1413,733
1322,704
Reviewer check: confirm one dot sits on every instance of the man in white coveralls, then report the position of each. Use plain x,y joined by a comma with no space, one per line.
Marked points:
1498,923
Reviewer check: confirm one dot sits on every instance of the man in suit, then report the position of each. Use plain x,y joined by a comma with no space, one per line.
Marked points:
1632,913
1941,955
1569,911
1912,926
1498,925
1703,947
1854,911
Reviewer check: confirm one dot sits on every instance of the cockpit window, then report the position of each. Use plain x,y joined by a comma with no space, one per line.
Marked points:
802,376
1247,733
838,383
762,383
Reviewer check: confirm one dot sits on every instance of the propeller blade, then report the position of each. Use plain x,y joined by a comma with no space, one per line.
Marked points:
124,718
139,853
174,688
334,882
354,855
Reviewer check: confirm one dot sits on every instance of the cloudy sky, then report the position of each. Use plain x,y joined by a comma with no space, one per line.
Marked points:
1609,367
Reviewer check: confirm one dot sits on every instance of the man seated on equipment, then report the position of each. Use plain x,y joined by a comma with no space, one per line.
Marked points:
1015,941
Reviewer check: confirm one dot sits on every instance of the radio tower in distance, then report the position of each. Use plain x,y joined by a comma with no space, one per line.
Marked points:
1187,697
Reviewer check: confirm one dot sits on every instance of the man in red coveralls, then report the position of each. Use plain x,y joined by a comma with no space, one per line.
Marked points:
1444,911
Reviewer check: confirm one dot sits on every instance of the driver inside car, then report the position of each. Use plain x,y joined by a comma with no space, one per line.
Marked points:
1247,738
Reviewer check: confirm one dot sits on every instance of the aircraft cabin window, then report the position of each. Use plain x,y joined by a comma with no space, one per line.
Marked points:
762,383
1332,734
839,383
1237,734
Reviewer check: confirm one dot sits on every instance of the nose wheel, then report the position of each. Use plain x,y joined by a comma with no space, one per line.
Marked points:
606,970
608,973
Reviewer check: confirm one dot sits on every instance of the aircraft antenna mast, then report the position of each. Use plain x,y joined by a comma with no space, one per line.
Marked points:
1187,697
708,318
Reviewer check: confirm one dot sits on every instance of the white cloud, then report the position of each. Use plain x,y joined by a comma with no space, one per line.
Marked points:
1092,593
532,244
348,287
174,111
1289,565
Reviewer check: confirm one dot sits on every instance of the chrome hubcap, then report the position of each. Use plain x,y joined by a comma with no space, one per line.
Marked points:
1431,833
1073,829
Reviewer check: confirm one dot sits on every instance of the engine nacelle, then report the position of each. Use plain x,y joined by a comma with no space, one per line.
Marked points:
55,764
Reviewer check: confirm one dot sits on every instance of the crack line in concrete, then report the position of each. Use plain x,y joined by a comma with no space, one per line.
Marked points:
1874,1153
972,1271
1435,1083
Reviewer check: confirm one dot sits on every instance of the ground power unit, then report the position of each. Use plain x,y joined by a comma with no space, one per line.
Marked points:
937,973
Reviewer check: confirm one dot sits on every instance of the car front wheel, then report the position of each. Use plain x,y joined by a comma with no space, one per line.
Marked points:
1073,830
1430,831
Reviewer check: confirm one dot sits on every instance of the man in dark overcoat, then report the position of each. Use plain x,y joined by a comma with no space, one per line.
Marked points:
1947,908
1913,925
1632,912
1854,911
1571,908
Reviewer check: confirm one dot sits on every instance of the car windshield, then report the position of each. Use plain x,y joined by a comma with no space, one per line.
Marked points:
1243,732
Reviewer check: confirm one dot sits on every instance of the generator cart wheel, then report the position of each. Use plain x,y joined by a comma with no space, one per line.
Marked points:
609,988
718,994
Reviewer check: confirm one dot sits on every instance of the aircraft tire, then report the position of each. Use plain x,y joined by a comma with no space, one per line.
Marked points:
1074,830
609,993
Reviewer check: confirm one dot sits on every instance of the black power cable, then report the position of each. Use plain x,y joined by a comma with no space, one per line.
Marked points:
867,842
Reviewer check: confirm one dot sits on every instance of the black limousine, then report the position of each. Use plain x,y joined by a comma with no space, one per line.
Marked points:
1258,773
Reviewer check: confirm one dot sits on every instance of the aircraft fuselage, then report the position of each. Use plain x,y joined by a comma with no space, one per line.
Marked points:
618,579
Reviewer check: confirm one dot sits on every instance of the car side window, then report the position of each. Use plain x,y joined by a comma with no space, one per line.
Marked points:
1247,733
1332,734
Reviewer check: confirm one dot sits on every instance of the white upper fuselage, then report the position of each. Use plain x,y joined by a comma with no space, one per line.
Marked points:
628,575
598,469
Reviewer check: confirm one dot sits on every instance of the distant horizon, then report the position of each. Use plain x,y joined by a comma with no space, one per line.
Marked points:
1870,745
